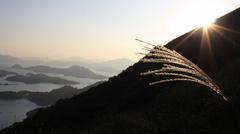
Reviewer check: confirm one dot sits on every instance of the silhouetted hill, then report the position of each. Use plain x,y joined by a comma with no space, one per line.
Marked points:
39,78
126,104
76,71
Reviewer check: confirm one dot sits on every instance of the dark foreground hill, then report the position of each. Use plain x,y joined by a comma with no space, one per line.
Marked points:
126,104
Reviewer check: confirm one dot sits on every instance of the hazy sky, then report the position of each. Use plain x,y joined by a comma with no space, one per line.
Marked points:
98,29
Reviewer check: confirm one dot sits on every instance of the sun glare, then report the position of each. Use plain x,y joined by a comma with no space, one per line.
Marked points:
204,18
207,25
199,14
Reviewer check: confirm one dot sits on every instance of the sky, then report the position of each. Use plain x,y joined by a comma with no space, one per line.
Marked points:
99,29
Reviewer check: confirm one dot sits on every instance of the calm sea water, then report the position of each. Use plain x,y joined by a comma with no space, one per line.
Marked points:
14,111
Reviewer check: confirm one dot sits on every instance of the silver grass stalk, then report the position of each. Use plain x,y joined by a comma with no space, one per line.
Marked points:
174,64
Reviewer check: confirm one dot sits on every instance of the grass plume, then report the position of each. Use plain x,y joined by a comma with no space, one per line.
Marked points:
177,66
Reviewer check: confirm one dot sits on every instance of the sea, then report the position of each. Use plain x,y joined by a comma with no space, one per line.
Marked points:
12,111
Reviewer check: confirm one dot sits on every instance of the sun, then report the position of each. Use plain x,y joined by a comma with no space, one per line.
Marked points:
204,18
207,25
199,14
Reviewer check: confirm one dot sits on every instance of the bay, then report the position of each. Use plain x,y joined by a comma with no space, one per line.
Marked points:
14,111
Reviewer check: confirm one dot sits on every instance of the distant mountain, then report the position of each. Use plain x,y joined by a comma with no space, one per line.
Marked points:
126,104
111,66
8,60
76,71
116,65
39,78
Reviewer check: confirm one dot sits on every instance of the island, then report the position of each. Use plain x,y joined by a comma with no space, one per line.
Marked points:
75,71
30,78
17,66
4,73
45,98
